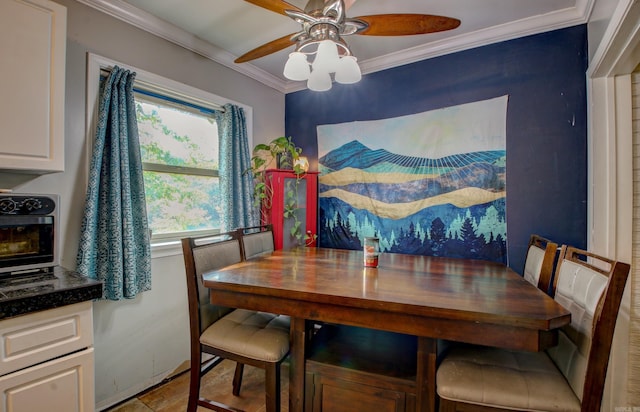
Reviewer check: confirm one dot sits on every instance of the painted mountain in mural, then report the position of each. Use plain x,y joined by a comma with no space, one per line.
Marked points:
353,154
463,180
358,156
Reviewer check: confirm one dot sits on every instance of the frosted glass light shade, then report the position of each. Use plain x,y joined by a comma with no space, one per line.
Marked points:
297,67
327,58
319,81
348,70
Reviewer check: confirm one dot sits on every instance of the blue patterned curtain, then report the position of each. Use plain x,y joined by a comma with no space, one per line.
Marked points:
114,240
236,187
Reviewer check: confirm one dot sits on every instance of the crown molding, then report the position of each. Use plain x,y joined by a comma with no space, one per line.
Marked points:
525,27
161,28
568,17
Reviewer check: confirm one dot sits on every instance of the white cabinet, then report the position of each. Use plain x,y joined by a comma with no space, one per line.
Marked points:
33,35
46,361
60,385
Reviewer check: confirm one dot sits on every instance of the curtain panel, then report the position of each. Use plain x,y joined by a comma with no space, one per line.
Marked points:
236,184
115,240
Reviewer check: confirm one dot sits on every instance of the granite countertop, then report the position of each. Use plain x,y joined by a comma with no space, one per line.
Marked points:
40,291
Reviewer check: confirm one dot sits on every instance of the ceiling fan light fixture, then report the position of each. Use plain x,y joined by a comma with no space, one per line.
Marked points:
319,81
327,57
348,71
297,67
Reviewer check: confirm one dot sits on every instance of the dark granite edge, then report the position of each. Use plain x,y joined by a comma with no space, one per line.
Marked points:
71,288
49,301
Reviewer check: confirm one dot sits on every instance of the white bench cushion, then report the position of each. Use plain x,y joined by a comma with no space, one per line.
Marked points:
526,381
533,265
578,289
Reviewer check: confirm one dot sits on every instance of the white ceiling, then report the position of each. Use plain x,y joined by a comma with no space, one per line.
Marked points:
225,29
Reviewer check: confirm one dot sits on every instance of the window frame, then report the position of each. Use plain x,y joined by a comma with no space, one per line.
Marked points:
158,99
160,245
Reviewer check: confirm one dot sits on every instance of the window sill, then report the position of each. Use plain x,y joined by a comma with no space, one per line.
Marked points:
165,249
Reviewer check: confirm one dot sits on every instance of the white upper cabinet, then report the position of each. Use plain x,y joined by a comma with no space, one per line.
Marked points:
33,35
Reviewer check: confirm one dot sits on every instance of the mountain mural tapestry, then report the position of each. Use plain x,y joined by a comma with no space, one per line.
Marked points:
431,183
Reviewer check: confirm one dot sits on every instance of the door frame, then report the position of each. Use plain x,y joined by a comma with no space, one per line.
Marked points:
610,178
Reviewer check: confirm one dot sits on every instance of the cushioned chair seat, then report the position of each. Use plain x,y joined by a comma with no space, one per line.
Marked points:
257,335
527,381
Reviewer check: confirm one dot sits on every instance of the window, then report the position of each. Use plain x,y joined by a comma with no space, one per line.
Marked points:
179,148
179,145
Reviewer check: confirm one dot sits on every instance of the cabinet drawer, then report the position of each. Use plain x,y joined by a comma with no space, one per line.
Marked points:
64,384
40,336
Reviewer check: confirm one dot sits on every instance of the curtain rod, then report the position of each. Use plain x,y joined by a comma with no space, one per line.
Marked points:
153,88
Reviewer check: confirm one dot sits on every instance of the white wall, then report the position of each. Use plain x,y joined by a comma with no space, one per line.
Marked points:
141,340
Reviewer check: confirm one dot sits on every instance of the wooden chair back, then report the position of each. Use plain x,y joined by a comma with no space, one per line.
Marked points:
203,254
540,261
591,287
256,240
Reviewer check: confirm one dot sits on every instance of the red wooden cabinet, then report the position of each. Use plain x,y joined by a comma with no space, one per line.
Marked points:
299,195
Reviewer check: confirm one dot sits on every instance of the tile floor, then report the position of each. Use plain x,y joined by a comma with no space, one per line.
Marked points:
172,396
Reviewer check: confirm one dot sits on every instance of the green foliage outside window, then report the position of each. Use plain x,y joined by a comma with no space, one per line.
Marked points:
179,151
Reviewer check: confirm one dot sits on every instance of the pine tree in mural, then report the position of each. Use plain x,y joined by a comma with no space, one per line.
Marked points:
468,237
437,236
341,235
460,239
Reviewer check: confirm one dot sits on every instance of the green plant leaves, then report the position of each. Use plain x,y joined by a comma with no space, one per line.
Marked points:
264,156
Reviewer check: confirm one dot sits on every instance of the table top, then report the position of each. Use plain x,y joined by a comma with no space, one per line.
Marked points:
425,286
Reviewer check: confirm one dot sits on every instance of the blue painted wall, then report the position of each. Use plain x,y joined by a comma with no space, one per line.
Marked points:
544,76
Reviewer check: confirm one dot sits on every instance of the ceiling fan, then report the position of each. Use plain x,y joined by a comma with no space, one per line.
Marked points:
327,19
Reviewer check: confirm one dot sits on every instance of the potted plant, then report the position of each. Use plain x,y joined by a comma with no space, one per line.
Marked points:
284,154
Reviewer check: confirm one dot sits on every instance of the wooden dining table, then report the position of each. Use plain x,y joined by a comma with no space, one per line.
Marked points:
464,300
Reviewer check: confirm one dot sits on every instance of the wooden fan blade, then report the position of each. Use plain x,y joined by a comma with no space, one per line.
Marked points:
266,49
279,6
406,24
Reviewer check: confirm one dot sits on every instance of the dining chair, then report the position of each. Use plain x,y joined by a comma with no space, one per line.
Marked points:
567,377
244,336
256,240
539,263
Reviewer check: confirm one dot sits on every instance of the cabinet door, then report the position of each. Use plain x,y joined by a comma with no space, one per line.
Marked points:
32,44
337,395
295,199
61,385
294,202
